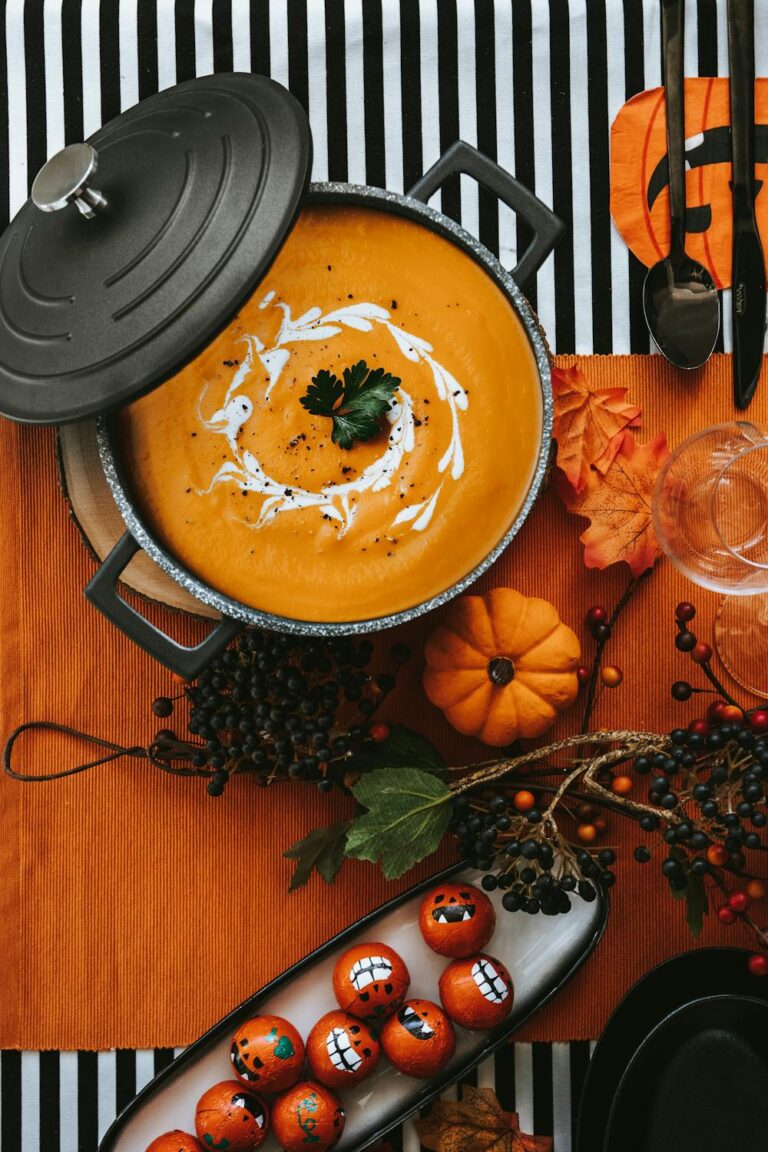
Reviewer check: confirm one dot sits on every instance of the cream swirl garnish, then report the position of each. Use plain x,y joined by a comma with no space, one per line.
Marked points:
336,501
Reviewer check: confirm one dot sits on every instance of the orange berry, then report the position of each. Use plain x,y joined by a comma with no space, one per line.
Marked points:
701,654
611,675
731,714
379,732
524,801
717,855
600,824
756,889
587,833
621,785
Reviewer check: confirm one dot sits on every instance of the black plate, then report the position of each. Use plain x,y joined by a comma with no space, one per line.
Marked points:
542,954
699,1082
655,1000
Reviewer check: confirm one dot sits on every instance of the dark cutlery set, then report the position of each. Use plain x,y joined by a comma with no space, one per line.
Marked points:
681,303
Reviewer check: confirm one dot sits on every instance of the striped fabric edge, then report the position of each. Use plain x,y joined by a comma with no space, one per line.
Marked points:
65,1101
387,85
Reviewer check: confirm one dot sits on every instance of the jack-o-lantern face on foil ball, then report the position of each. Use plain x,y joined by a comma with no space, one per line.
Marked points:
267,1053
341,1050
477,992
307,1116
419,1040
456,919
176,1141
370,981
232,1117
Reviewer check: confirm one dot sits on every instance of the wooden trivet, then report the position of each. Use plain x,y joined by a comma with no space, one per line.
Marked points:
100,524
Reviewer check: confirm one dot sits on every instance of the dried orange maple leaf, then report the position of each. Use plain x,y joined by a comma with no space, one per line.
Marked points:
588,424
619,507
476,1123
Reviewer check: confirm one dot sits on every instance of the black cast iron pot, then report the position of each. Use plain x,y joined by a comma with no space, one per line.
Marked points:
231,130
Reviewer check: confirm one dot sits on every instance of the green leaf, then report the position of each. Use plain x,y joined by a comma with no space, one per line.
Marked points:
408,814
696,904
356,406
321,851
695,896
403,748
323,394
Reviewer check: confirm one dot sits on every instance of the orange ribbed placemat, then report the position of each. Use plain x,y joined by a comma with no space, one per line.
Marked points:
137,910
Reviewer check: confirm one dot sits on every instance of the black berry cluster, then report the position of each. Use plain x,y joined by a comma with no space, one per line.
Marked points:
532,865
280,707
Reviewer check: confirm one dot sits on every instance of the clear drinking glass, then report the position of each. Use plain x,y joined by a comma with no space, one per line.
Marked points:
710,511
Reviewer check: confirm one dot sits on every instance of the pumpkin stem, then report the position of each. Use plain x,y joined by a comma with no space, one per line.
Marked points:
501,671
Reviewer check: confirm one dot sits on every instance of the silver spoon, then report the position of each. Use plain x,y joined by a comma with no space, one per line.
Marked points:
680,300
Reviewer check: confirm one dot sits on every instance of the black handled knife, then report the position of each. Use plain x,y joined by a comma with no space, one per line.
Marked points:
748,277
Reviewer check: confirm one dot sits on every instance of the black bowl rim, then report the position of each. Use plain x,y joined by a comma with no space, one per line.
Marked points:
618,1044
671,1018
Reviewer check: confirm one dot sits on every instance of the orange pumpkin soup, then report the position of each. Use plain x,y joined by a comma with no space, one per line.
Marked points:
245,486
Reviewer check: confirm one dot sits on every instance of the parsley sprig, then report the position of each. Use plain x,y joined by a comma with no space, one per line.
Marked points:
355,405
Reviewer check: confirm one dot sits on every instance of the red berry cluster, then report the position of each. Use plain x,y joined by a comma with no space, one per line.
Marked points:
728,743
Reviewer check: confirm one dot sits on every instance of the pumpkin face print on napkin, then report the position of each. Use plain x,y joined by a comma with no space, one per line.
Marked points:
640,175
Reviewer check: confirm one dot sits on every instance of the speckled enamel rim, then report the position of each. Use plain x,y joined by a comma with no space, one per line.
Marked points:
408,206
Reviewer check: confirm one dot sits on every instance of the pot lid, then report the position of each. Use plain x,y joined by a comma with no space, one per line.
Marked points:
138,245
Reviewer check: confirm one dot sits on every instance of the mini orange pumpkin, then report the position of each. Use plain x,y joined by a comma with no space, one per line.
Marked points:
307,1116
176,1141
231,1116
419,1040
501,666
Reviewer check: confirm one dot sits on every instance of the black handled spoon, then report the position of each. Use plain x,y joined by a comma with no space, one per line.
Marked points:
680,300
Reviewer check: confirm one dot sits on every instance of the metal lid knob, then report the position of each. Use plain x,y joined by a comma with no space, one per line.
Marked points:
65,179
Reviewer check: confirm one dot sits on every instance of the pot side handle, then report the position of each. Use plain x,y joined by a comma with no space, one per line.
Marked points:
102,592
547,229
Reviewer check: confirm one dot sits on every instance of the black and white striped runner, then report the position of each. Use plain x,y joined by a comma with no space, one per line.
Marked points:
388,84
65,1101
